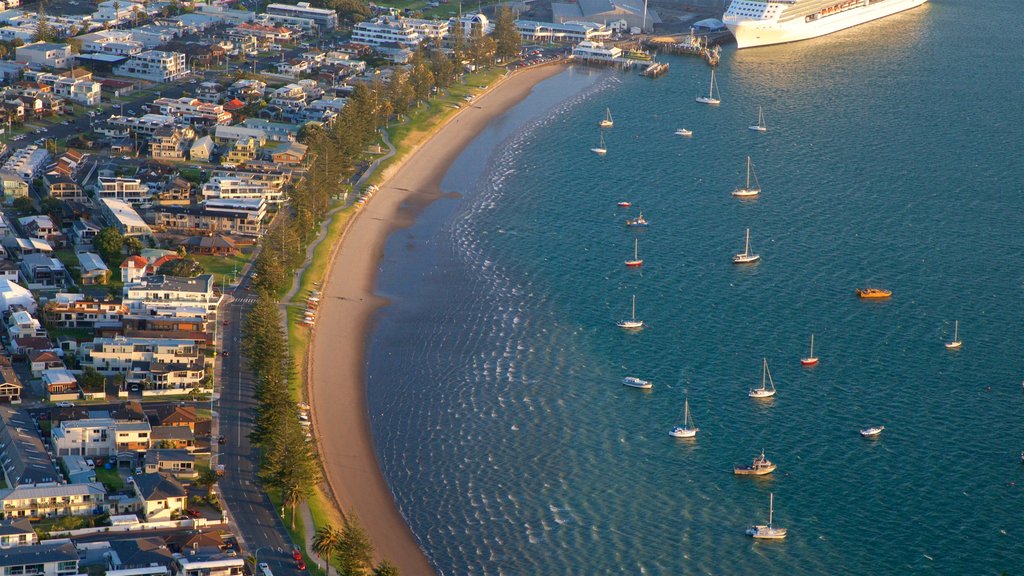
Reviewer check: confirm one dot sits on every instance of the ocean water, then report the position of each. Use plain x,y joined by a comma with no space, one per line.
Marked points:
893,159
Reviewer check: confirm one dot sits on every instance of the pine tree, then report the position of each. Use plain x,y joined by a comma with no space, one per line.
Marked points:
44,32
355,554
505,34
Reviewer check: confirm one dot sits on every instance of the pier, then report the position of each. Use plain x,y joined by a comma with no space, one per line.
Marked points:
597,54
704,45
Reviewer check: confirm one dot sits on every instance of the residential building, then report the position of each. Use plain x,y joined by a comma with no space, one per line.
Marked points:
131,190
202,149
326,20
10,386
175,437
21,324
83,232
243,150
208,563
139,557
41,272
14,186
122,216
121,355
41,227
162,496
232,133
145,125
13,294
133,268
92,268
289,153
562,32
100,437
394,30
219,245
44,54
49,558
234,188
276,131
23,456
115,42
203,219
77,311
61,187
307,25
181,463
41,360
85,92
50,502
194,110
170,143
60,384
171,291
27,162
17,532
177,323
154,65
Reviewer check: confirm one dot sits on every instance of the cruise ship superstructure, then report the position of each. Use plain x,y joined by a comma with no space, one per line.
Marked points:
764,22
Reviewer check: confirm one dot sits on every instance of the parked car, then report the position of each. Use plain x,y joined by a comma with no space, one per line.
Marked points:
265,569
90,463
296,554
300,565
221,440
65,404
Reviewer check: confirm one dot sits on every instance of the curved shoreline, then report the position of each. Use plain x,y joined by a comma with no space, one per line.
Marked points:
337,381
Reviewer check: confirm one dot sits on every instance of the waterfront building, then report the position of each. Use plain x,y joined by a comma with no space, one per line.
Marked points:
170,291
562,32
325,19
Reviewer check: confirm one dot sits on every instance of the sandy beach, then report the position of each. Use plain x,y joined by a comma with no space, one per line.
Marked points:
337,366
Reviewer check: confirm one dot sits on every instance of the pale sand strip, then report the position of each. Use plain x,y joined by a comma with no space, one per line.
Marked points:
337,379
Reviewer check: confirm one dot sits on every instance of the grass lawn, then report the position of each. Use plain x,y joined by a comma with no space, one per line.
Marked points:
224,268
110,478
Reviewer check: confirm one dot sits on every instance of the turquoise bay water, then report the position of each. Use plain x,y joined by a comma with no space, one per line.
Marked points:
893,159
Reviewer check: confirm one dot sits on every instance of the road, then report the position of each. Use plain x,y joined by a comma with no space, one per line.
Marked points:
253,516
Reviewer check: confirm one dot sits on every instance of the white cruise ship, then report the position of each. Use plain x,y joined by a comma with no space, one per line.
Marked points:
764,22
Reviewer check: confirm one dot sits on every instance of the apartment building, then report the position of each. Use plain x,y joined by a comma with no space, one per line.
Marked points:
50,558
152,366
44,54
114,42
100,437
161,291
230,188
325,19
131,190
194,110
77,311
203,219
170,143
242,151
23,456
122,216
27,162
185,323
52,501
13,185
154,65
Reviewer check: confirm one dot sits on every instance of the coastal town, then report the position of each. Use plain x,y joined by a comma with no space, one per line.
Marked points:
173,175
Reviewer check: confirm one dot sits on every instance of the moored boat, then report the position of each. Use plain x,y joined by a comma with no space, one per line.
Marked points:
872,432
873,293
636,262
759,467
600,150
748,190
746,257
634,382
688,429
767,389
624,204
638,222
632,323
767,531
607,121
760,126
811,359
684,132
713,98
956,343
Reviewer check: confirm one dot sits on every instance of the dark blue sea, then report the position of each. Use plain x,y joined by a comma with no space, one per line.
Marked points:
893,158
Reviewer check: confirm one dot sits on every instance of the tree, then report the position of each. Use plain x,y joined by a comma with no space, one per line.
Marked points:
133,244
91,380
355,555
23,204
326,542
182,267
385,568
108,243
44,32
506,37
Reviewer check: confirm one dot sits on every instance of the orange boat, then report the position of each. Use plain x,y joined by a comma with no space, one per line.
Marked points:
875,293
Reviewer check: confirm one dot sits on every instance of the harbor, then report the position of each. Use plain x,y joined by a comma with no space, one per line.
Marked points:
600,54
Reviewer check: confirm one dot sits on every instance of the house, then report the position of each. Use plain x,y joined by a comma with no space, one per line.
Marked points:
60,384
21,324
210,245
183,542
130,190
223,134
42,228
44,54
171,291
93,270
209,563
14,186
133,269
51,501
41,272
162,496
78,311
21,247
62,187
9,270
176,190
50,558
173,437
172,415
23,458
10,385
122,216
289,153
83,232
17,532
133,556
13,294
23,346
42,360
170,143
181,463
202,149
243,150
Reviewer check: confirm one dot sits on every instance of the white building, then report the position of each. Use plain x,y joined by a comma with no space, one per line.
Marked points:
170,292
122,216
27,501
384,30
114,42
596,51
44,54
49,558
229,188
192,109
568,32
325,19
100,437
131,190
154,65
27,162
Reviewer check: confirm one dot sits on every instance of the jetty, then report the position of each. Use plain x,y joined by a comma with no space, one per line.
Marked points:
655,69
599,54
692,44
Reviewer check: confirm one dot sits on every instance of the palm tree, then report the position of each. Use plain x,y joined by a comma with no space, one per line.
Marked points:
326,542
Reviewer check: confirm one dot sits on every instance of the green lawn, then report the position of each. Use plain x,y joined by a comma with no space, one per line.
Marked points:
224,268
110,478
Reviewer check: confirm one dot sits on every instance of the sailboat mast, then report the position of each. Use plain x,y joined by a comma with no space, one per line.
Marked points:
746,248
748,172
956,330
636,248
634,307
771,507
812,346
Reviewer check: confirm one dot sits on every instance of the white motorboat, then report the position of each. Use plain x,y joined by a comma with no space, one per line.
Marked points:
634,382
872,432
684,132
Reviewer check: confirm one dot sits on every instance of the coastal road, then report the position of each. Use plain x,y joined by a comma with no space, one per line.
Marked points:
253,516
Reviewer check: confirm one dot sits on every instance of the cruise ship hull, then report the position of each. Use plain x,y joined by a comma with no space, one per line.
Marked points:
750,33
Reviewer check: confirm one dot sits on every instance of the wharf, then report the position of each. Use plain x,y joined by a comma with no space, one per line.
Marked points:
655,70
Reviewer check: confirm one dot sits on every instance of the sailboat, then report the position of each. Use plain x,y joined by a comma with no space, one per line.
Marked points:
636,262
713,98
760,126
687,430
600,150
956,343
632,323
747,191
638,222
811,359
607,121
767,389
768,532
747,257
